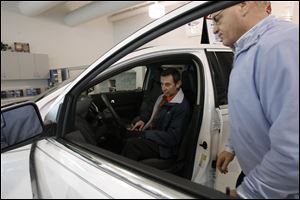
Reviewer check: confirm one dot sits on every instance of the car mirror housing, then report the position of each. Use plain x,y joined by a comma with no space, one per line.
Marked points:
20,125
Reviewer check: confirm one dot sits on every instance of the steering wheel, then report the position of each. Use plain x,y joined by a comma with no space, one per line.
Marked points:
120,123
94,108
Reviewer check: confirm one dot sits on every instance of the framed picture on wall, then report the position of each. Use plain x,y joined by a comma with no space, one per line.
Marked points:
21,47
18,47
26,47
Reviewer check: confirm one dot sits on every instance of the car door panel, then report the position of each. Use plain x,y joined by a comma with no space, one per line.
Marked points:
15,177
63,174
228,179
57,179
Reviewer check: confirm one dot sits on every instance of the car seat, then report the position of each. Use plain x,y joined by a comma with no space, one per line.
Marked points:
151,94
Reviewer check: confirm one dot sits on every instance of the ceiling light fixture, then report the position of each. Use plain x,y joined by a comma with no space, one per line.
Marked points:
156,10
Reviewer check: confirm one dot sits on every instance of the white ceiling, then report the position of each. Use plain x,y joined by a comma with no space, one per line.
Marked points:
73,13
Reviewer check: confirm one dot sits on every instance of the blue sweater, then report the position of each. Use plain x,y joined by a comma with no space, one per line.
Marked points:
264,109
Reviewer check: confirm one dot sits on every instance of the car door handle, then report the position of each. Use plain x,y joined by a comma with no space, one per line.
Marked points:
203,145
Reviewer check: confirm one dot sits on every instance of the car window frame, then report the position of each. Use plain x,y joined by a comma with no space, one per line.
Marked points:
141,169
129,90
212,57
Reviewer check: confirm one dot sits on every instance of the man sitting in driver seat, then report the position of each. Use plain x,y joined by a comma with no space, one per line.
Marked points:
160,136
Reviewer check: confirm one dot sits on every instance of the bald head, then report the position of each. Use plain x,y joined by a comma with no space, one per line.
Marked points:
253,12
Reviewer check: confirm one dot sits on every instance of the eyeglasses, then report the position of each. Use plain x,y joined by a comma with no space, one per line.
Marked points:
216,18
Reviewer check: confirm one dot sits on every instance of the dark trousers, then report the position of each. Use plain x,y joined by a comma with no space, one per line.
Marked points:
240,179
139,148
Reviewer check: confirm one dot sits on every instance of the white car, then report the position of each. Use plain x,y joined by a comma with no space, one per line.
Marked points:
73,153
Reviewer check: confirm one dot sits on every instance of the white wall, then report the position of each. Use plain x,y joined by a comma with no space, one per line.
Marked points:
125,27
288,10
83,44
296,12
66,46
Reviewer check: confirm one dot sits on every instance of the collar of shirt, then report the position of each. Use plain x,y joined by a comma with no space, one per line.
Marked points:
177,98
166,99
252,36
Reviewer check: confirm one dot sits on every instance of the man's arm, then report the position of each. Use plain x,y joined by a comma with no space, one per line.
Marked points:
172,136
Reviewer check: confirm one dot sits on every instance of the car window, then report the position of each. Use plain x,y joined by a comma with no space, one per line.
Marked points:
220,65
103,110
129,80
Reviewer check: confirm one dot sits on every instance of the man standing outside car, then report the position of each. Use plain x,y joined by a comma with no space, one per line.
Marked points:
263,100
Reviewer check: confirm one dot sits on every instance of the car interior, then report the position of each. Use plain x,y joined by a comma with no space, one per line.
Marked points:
106,108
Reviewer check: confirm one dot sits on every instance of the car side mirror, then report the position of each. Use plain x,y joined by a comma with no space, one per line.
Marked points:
20,125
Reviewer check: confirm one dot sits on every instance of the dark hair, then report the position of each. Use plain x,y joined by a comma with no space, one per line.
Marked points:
172,71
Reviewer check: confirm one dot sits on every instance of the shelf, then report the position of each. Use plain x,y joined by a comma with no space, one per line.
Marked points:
11,100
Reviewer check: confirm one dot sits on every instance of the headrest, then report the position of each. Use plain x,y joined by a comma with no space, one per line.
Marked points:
189,85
